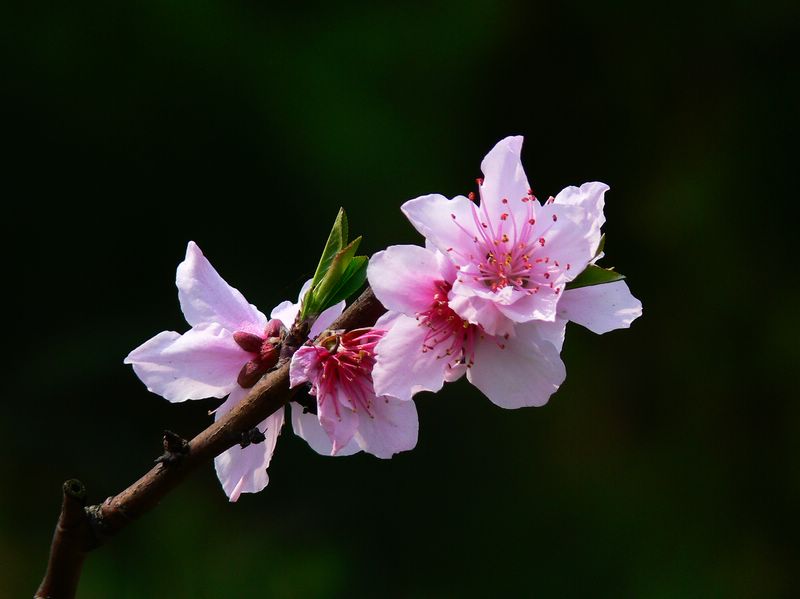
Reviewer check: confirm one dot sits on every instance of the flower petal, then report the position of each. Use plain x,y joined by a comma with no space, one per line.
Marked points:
601,308
447,224
339,421
590,197
570,238
525,372
392,427
504,178
482,311
402,368
307,427
404,278
203,362
304,366
244,470
326,318
205,297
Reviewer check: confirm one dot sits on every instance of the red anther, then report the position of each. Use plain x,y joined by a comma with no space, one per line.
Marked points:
248,341
453,216
504,200
532,221
541,241
479,181
250,373
504,216
471,195
568,266
555,218
530,192
484,225
547,275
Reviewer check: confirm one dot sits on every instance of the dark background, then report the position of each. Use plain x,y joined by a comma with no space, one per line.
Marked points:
667,464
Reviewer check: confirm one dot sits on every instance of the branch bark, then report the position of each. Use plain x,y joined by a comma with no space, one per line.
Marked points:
79,529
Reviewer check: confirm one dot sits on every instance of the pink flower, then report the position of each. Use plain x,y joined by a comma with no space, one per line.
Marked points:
513,255
349,414
430,343
230,345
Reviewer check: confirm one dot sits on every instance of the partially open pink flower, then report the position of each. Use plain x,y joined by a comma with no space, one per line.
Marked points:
429,343
513,255
349,414
230,345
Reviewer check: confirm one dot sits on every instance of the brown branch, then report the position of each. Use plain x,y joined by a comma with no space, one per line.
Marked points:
80,529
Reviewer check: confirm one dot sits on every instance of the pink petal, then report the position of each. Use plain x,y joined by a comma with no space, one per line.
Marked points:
244,470
401,367
552,332
403,278
504,178
287,311
526,372
307,427
570,236
539,306
590,197
483,311
203,362
339,421
433,216
601,308
205,297
326,318
304,366
393,427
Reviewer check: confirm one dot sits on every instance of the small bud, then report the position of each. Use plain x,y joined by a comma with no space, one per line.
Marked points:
248,341
250,373
273,329
269,355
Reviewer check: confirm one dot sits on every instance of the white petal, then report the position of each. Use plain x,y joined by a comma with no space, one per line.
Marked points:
203,362
393,427
401,367
244,470
601,308
404,278
525,372
307,427
206,298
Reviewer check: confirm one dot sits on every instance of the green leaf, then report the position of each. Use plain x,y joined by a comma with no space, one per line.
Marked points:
352,279
336,241
319,297
594,275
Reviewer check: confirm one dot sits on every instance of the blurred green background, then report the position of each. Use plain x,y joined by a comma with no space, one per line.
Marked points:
666,465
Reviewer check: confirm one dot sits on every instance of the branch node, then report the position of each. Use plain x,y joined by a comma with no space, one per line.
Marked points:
175,447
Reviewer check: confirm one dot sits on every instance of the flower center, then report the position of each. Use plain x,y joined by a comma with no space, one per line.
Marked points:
448,334
347,360
509,251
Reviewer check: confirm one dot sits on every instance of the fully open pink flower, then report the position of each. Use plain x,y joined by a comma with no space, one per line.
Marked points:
230,345
349,414
513,255
429,343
